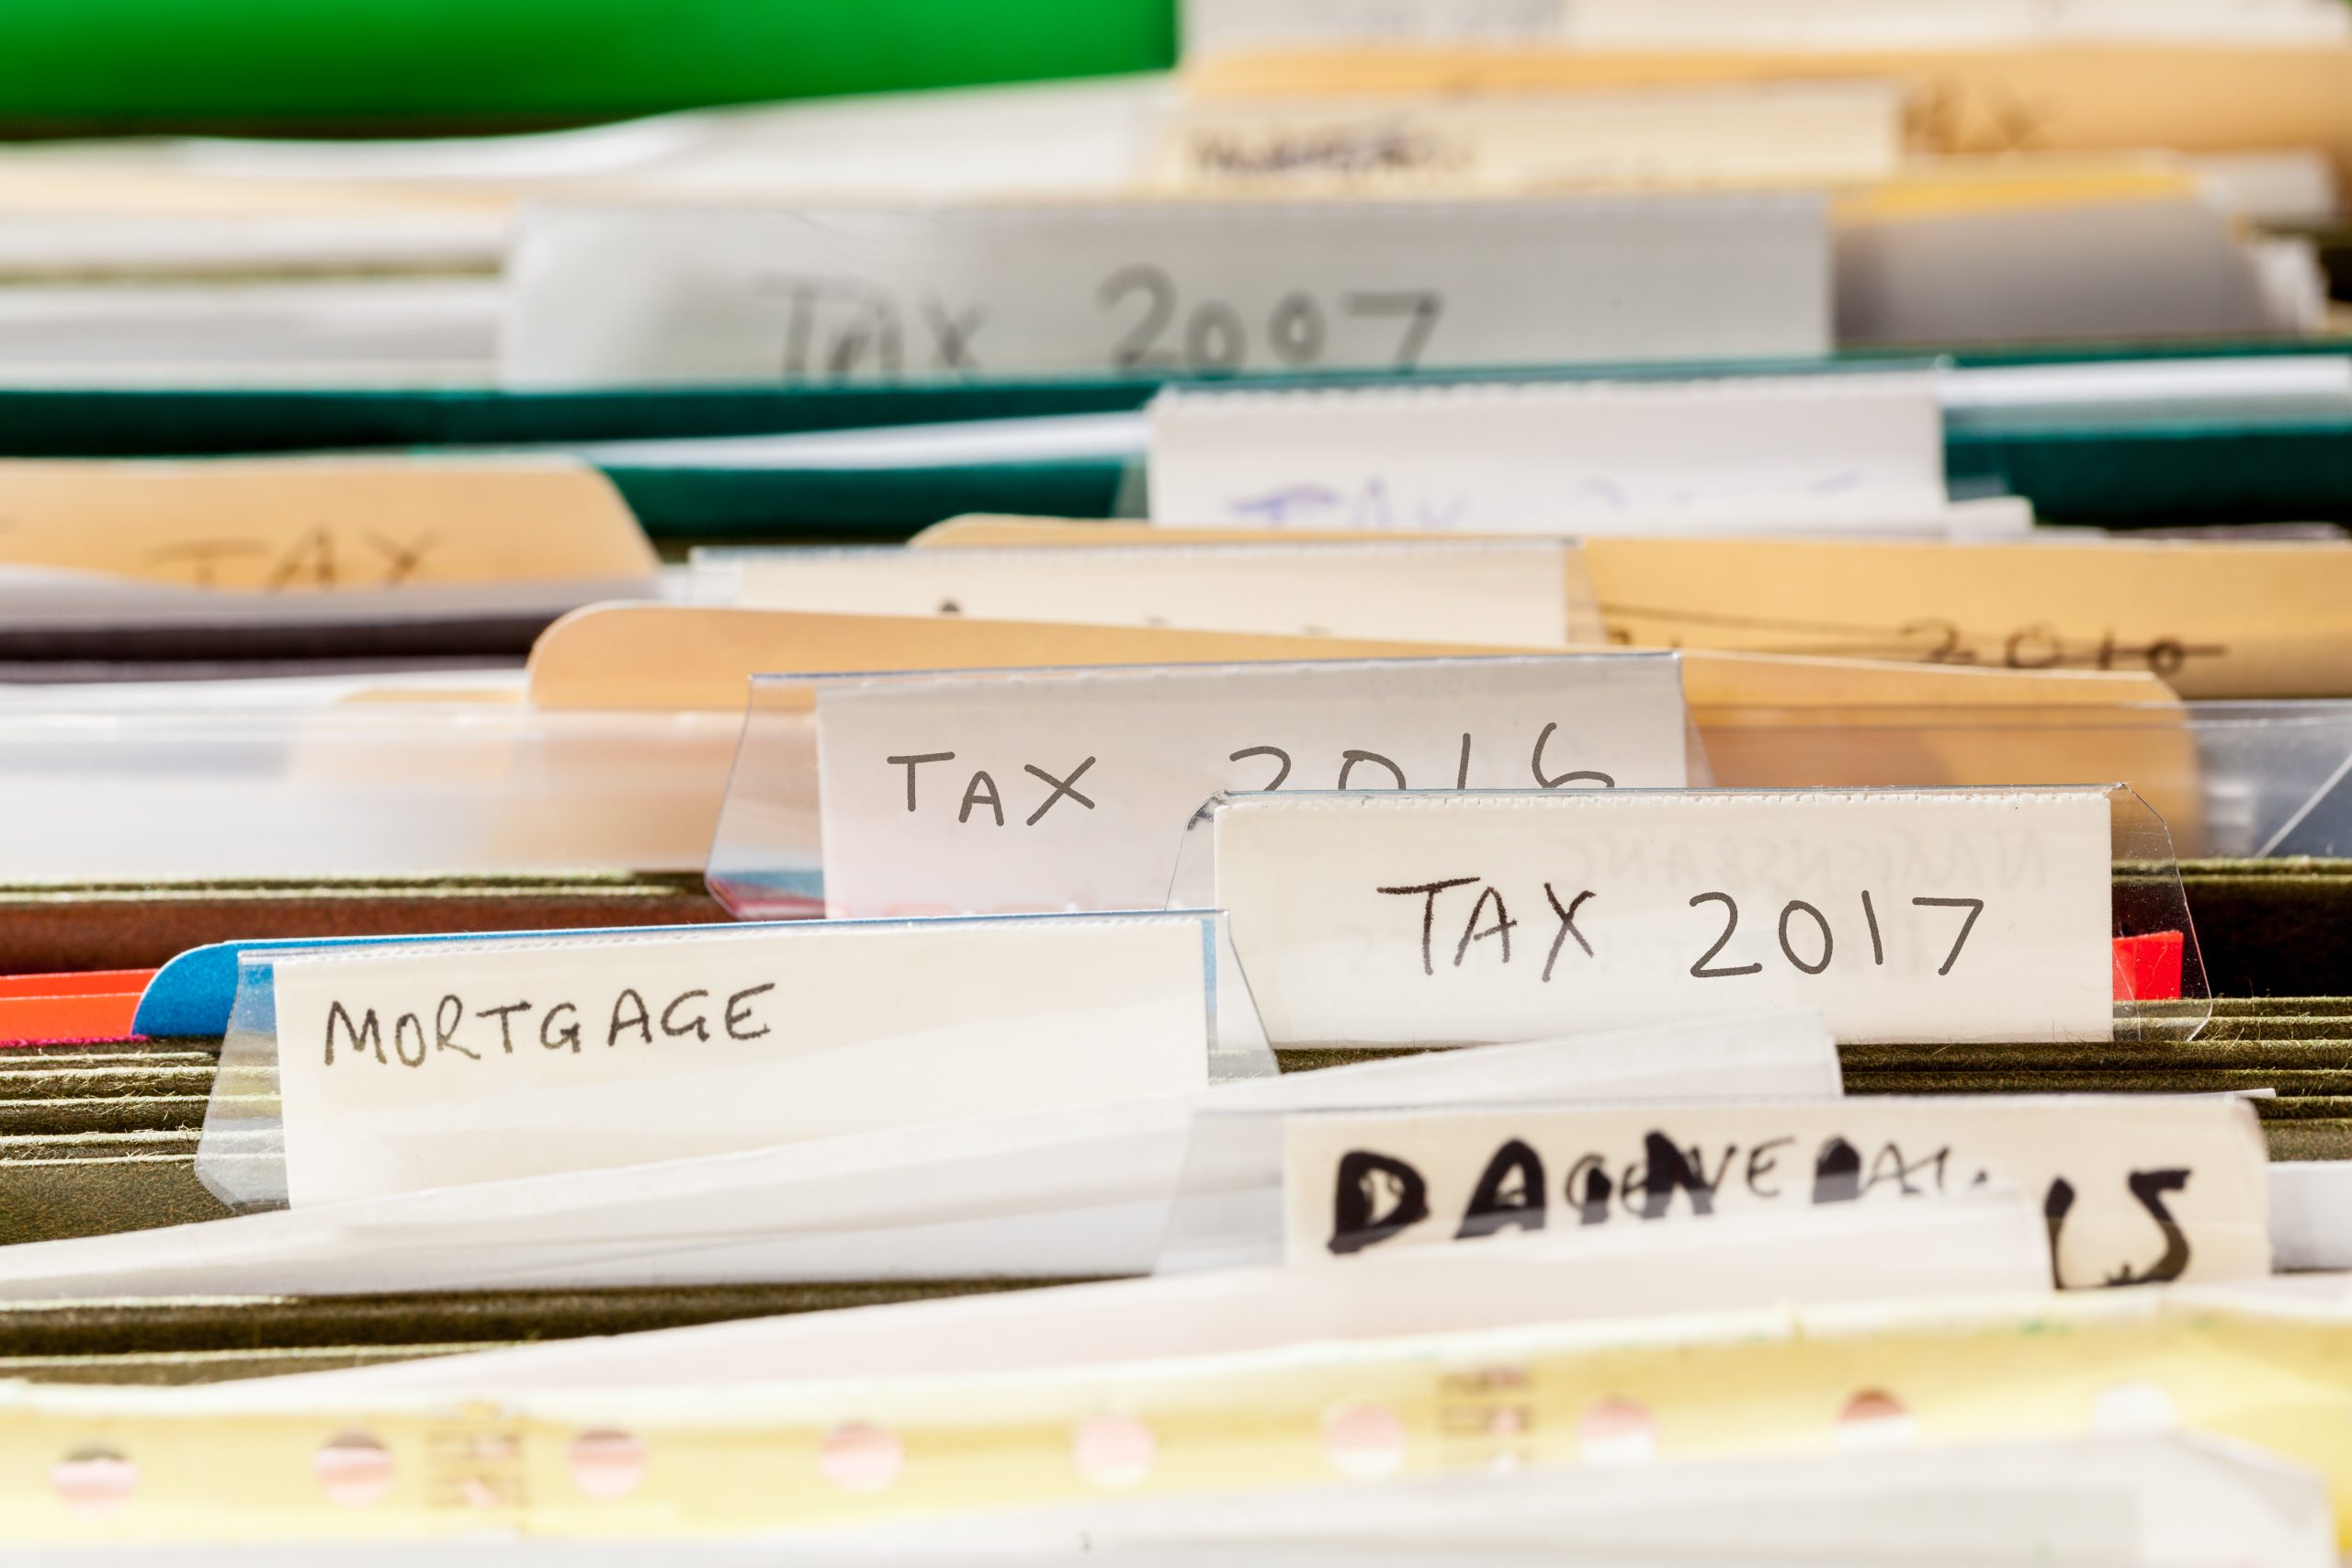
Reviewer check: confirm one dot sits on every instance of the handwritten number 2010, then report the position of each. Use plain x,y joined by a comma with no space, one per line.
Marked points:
1797,908
1214,337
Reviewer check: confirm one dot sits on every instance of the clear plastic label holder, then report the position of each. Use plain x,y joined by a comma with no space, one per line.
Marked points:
241,1156
1375,934
767,857
2232,779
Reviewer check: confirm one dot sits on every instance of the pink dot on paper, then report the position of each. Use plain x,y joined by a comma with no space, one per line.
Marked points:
606,1463
1363,1441
1113,1451
1617,1431
353,1470
93,1482
1875,1418
857,1457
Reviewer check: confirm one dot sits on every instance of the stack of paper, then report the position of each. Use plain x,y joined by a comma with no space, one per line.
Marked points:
1492,782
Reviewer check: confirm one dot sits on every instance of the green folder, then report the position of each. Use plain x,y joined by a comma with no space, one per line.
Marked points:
2195,474
419,66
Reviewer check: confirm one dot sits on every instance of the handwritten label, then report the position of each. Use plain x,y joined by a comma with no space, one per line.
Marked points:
671,293
407,1068
1211,24
1902,915
1053,790
2137,1190
321,526
1820,452
1822,131
1684,26
1505,594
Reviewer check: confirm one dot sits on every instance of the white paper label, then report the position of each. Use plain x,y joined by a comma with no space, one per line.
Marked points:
1214,25
1503,596
1901,915
1747,132
2137,1190
410,1068
1057,790
1820,452
671,293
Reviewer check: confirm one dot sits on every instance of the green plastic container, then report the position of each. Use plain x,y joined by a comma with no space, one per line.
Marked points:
425,65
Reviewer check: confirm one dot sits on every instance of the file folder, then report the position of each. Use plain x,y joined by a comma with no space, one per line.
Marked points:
264,67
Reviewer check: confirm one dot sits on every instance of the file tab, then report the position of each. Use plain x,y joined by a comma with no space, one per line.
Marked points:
672,293
1912,915
321,526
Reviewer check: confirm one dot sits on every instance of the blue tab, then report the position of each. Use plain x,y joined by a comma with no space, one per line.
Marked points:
191,996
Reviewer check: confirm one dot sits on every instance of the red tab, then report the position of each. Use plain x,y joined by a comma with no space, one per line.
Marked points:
2147,968
47,1009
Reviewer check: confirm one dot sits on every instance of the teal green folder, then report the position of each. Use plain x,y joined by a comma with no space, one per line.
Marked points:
2189,474
2208,468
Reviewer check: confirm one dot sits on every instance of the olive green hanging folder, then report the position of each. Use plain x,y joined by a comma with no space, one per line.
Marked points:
100,1137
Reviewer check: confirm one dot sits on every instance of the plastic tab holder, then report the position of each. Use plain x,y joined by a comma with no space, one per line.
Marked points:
1004,791
2229,779
2234,780
2133,1189
1437,918
170,789
359,1070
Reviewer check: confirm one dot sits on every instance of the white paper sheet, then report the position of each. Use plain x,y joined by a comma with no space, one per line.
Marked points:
2119,1500
1500,594
1709,133
1211,25
2102,1502
1987,1242
2311,1215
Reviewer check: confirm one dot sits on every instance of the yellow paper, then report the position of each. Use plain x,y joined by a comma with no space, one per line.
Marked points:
1957,186
2213,620
1796,719
2069,96
87,1466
